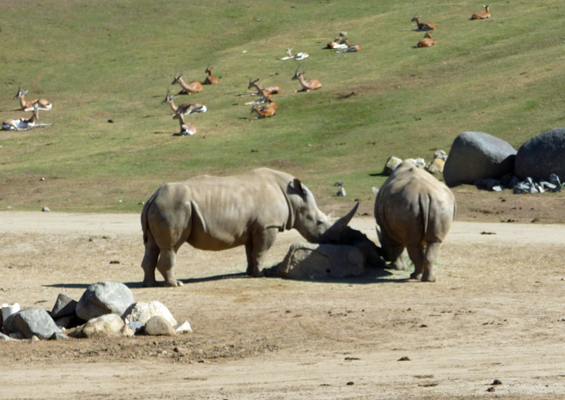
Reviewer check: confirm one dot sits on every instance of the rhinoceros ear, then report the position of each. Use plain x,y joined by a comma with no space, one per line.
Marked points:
375,190
333,234
298,187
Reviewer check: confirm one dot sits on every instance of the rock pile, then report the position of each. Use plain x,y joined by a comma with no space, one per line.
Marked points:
433,167
105,309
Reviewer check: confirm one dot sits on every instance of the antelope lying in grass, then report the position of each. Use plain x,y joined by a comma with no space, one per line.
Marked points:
266,111
295,56
338,43
260,90
28,105
186,128
186,108
482,14
427,41
23,124
210,79
261,100
423,26
192,87
313,84
351,48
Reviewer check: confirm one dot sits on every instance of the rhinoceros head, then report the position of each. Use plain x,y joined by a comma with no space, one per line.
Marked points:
305,216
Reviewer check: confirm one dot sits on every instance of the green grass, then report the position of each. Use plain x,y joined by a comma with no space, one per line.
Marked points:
115,60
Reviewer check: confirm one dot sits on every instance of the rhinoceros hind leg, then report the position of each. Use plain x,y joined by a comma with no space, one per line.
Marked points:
149,264
165,267
397,258
432,251
416,254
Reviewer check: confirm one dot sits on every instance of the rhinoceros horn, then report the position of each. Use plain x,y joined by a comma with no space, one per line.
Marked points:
335,231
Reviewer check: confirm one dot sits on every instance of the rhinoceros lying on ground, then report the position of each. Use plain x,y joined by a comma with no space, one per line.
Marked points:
219,213
413,210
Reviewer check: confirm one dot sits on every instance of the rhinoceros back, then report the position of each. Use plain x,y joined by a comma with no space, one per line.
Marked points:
413,207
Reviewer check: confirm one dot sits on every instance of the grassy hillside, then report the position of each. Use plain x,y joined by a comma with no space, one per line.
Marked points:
114,60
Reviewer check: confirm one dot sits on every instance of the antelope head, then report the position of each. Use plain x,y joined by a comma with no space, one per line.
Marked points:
168,97
177,79
297,74
20,93
252,83
289,52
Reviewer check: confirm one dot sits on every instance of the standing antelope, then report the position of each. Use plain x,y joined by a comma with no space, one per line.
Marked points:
260,90
423,26
427,41
186,108
306,85
192,87
28,105
295,56
482,14
266,111
186,128
210,79
23,124
351,48
338,43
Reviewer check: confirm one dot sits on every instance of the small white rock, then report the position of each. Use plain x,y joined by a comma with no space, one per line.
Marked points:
183,327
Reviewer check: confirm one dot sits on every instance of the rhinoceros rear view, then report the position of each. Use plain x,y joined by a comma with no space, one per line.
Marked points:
413,210
218,213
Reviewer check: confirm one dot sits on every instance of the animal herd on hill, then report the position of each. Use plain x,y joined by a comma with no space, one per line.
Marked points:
34,105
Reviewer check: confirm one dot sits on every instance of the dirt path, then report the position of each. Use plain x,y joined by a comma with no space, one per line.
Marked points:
496,313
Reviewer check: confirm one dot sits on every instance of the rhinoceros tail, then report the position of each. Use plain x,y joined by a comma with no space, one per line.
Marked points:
144,222
425,203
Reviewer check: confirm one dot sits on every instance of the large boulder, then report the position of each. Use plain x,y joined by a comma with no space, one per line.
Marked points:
32,322
542,156
477,155
104,298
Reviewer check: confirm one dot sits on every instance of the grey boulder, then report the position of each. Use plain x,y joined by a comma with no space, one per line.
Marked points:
64,306
104,298
542,156
477,155
32,322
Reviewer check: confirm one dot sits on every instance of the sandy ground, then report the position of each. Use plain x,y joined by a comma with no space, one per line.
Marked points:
496,312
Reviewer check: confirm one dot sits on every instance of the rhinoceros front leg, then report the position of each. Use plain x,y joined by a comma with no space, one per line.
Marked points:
256,248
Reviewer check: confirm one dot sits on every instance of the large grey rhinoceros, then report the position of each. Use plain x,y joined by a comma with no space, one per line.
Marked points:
219,213
413,210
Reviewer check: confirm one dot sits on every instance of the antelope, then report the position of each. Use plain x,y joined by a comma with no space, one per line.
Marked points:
186,108
338,43
28,105
482,14
351,48
306,86
23,124
267,110
261,100
210,79
295,56
423,26
186,128
260,90
192,87
427,41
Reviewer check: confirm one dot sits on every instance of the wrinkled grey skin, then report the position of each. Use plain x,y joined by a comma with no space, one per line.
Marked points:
219,213
413,210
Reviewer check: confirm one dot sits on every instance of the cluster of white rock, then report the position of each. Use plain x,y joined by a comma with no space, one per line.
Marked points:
105,309
433,167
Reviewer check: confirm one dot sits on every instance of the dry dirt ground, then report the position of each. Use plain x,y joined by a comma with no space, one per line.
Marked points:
496,313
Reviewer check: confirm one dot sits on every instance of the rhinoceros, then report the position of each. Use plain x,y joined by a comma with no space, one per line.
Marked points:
413,210
219,213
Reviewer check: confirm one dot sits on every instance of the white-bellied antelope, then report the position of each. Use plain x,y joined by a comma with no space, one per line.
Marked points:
295,56
186,108
268,110
482,14
261,100
427,41
23,124
192,87
313,84
28,105
351,48
186,128
338,43
210,79
260,91
423,26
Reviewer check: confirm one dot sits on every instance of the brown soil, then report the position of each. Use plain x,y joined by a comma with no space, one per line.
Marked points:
496,312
